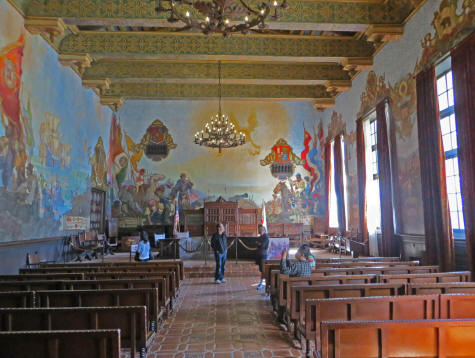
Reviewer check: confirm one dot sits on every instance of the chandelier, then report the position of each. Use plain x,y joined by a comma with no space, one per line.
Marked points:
221,16
220,132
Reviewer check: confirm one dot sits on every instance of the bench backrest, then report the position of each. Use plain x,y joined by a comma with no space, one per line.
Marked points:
434,277
17,299
49,276
367,309
416,339
297,309
325,280
168,276
102,298
131,320
440,288
104,343
457,305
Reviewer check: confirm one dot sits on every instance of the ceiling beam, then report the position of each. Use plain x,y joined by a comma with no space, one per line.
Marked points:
148,45
142,90
207,72
303,14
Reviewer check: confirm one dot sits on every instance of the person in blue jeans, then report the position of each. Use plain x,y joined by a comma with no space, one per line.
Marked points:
143,249
262,247
219,244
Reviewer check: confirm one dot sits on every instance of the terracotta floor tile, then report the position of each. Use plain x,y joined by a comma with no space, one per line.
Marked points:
221,321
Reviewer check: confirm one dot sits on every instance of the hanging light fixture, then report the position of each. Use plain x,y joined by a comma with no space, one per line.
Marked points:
220,132
221,16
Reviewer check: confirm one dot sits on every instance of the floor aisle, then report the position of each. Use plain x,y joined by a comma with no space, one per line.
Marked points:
231,320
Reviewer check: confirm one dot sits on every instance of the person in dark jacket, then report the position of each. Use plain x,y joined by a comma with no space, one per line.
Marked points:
262,246
219,244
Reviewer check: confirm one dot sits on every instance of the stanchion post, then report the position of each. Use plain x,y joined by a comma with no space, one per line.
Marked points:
236,249
206,249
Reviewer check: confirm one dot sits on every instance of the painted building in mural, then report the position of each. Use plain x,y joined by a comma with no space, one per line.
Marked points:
50,130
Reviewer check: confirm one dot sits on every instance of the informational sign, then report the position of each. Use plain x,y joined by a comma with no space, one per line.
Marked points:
159,237
134,248
75,223
182,235
276,246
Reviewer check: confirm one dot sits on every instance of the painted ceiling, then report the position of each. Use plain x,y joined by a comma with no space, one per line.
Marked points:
124,50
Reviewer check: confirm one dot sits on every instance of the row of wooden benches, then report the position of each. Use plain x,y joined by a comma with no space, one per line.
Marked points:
98,301
296,299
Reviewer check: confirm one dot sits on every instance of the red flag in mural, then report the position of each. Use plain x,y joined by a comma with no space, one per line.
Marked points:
304,156
118,160
10,82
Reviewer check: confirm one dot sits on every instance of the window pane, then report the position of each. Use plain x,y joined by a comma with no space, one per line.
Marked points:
449,80
451,185
452,202
454,140
449,168
441,85
445,125
461,222
451,97
455,163
459,202
452,123
443,103
454,217
446,142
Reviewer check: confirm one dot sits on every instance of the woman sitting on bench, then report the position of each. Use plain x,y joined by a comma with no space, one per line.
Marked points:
143,249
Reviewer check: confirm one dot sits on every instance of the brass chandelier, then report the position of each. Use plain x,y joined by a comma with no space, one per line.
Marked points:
220,132
221,16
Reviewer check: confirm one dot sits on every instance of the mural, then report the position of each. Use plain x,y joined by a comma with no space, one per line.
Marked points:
46,168
147,191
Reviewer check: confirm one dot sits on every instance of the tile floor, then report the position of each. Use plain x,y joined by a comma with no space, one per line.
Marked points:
231,320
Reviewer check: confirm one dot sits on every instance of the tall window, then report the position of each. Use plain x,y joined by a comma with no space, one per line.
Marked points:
333,215
373,207
445,93
334,220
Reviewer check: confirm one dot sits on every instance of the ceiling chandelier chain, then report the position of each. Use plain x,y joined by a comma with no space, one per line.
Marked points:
221,16
220,132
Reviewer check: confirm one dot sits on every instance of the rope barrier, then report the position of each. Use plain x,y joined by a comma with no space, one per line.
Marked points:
247,247
192,251
231,244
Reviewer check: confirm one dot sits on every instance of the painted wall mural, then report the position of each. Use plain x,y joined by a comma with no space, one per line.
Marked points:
47,121
148,191
449,21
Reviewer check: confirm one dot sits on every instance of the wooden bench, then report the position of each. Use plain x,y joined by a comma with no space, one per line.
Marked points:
106,269
435,277
363,309
415,339
38,277
457,305
48,285
131,320
297,304
403,270
104,298
285,283
365,264
17,299
328,281
435,288
168,276
101,343
163,263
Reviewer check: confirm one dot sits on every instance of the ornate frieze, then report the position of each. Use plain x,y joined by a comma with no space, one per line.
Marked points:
196,46
180,91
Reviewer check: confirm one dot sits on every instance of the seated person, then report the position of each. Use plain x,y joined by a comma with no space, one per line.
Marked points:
311,258
301,268
143,250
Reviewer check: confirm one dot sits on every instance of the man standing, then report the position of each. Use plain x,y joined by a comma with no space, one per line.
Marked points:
262,246
219,244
